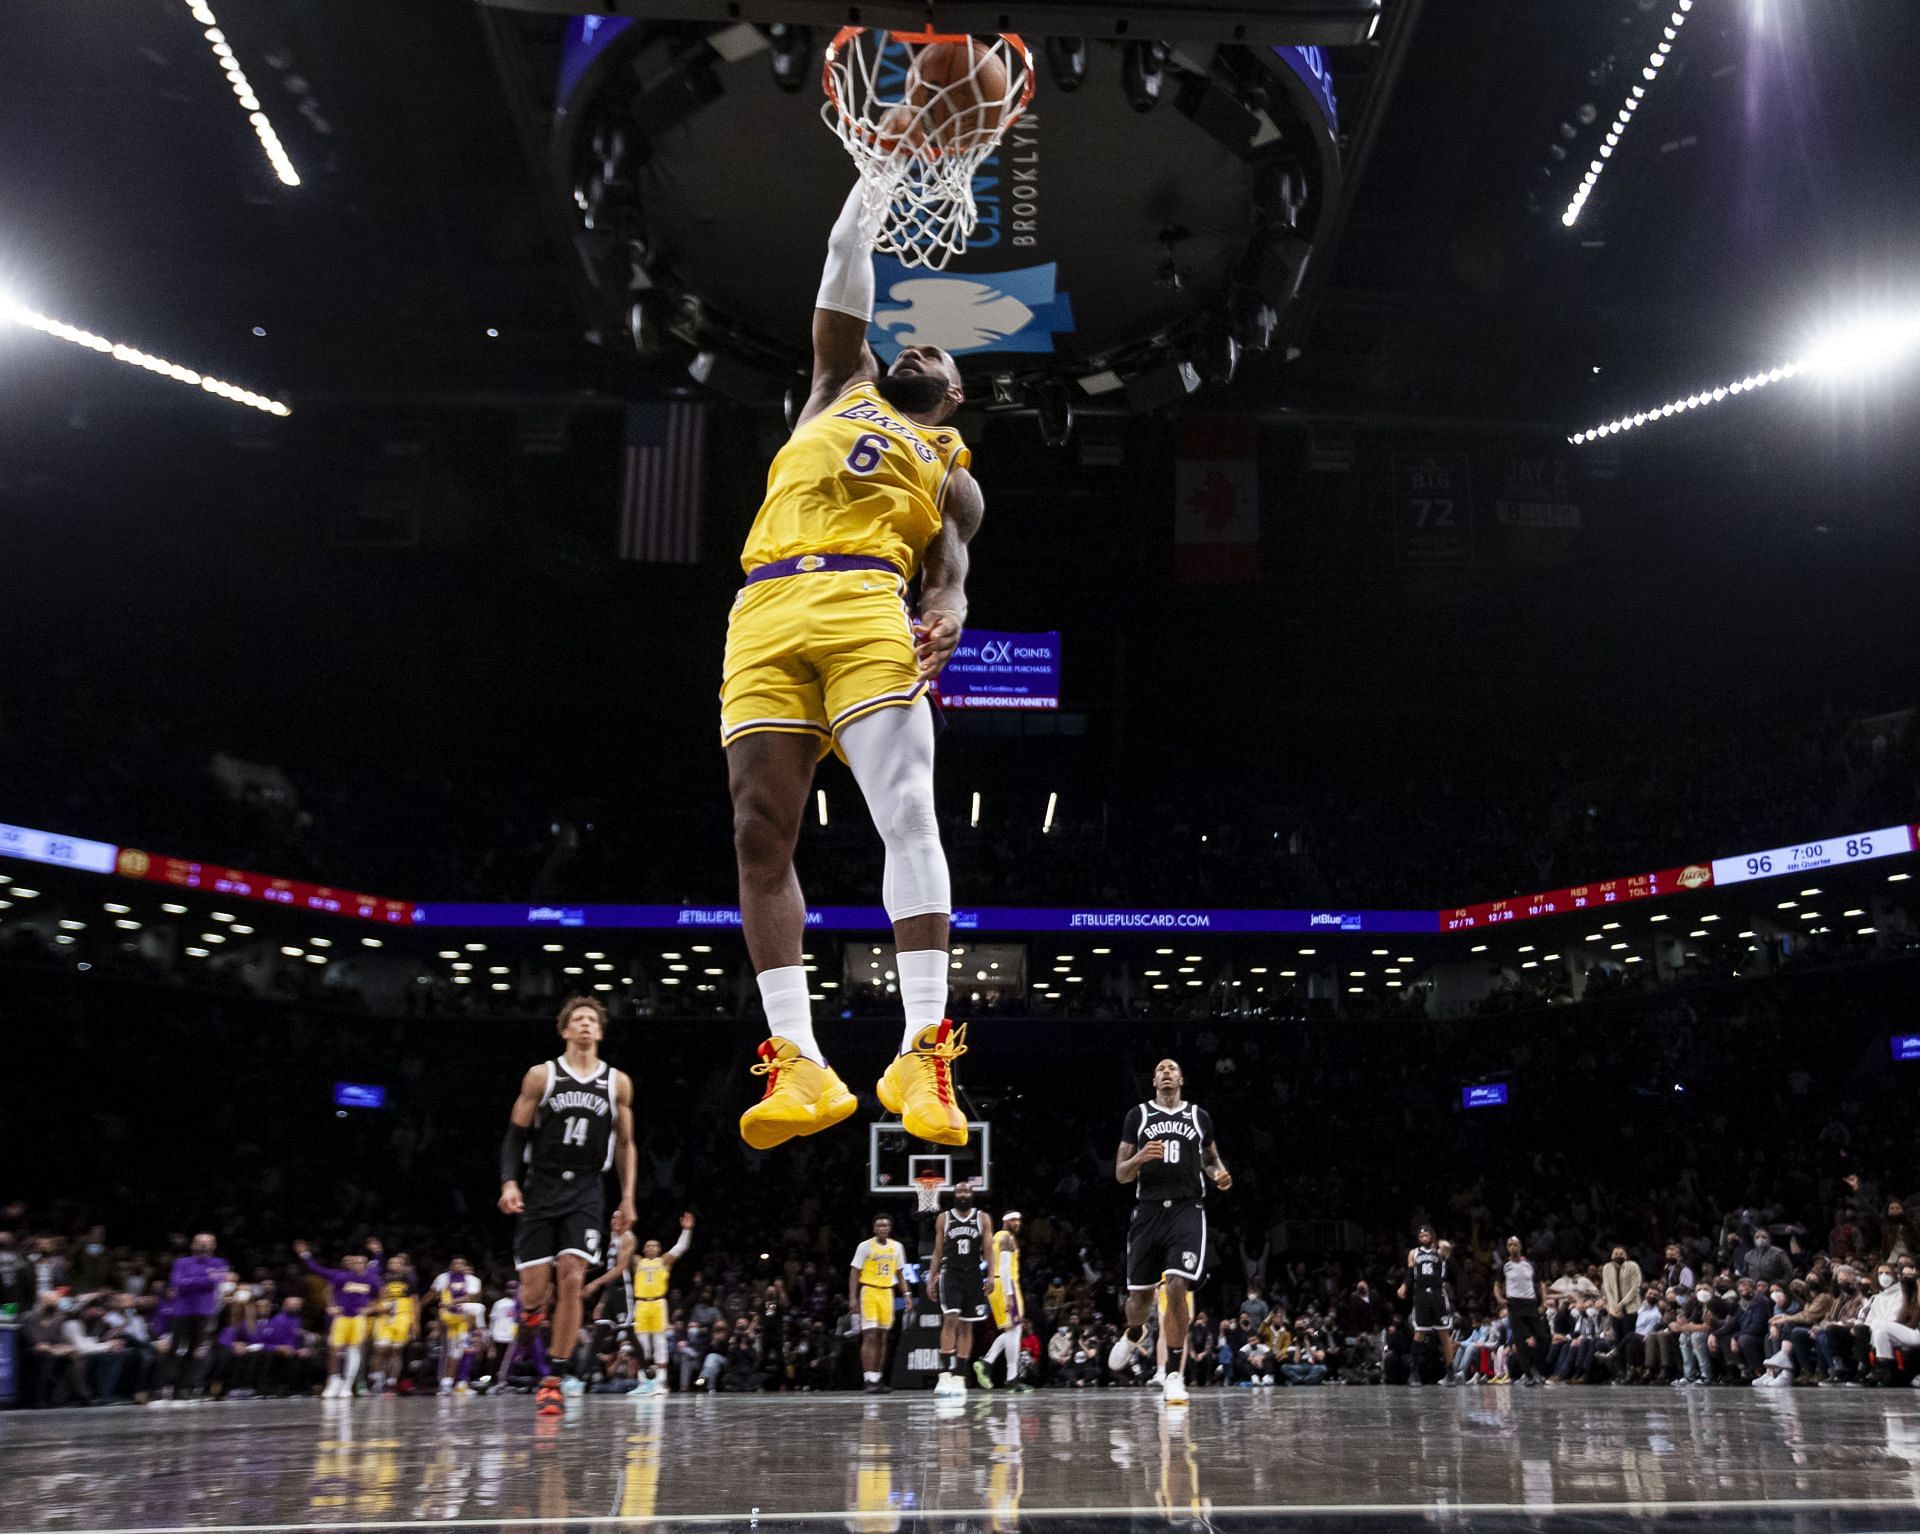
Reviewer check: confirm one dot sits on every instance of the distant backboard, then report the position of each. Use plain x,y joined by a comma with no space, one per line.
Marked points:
1325,23
895,1158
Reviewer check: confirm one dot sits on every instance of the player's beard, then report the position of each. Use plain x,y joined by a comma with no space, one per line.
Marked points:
912,393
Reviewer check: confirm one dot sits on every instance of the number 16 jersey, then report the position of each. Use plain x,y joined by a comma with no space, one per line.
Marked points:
1186,1131
859,478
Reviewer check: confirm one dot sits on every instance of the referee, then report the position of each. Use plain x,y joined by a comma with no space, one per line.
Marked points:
1518,1290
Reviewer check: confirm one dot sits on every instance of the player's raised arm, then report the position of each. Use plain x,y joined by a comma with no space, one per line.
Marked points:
679,1248
513,1149
626,1155
842,312
943,580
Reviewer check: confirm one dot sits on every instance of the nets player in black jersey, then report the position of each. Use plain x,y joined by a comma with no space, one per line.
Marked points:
1429,1285
1167,1152
957,1281
572,1121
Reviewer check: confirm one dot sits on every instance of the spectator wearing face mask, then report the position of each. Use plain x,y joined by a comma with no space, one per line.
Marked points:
1675,1274
1766,1263
1833,1339
1897,1325
1692,1326
1896,1235
1621,1285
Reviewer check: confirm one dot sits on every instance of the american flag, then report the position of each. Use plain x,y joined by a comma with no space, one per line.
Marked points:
664,490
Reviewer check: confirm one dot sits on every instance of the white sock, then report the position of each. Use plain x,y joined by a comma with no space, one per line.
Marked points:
350,1365
871,1377
997,1350
783,992
923,988
1016,1357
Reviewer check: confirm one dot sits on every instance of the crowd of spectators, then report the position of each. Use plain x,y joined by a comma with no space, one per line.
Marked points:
1404,833
1636,1121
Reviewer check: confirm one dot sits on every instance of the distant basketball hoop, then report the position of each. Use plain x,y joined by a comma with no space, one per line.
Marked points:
926,1191
918,112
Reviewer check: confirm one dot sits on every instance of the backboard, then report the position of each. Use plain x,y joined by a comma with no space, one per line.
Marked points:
895,1158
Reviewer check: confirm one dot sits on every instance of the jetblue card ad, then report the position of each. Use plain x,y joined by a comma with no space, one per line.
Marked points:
1492,1095
992,670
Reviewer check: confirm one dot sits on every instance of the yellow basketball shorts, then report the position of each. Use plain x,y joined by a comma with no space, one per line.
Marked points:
807,654
1004,1305
649,1315
392,1331
876,1308
348,1332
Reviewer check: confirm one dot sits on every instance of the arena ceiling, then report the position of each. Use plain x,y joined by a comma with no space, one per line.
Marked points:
423,255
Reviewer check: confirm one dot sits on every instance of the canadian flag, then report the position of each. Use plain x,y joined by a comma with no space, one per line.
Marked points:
1216,501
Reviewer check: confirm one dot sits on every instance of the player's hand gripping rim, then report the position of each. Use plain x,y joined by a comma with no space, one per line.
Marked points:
935,636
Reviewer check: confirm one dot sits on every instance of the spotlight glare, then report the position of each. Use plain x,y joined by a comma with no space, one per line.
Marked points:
17,314
243,92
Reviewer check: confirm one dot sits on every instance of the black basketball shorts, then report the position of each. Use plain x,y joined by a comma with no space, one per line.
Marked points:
563,1218
963,1294
1430,1313
1167,1238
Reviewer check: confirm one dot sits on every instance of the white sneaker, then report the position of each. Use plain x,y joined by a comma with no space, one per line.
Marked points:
572,1385
1159,1377
1174,1390
959,1385
1120,1355
336,1387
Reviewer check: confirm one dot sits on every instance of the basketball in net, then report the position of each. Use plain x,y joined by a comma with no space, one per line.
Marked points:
918,113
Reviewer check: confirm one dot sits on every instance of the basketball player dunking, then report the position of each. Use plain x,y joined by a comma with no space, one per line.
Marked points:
824,653
572,1121
641,1272
1167,1152
958,1283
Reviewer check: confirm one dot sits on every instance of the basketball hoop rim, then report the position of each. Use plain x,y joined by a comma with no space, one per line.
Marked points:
846,35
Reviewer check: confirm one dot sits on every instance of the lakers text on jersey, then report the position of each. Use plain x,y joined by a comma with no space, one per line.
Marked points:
815,648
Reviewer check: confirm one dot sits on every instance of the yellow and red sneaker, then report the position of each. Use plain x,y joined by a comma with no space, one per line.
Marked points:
547,1397
919,1085
801,1098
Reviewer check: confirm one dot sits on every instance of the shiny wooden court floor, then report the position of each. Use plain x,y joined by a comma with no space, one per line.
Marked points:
1331,1461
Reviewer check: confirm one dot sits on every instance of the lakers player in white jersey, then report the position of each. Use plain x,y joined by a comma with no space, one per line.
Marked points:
827,651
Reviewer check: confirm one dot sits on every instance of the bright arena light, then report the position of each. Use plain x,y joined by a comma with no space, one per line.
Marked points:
17,314
1850,351
243,93
1656,61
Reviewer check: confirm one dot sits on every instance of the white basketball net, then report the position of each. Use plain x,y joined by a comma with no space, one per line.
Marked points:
926,1194
917,145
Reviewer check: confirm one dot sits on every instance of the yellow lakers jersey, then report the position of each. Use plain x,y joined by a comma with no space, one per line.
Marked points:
398,1297
884,1261
859,478
1006,1257
650,1278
